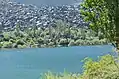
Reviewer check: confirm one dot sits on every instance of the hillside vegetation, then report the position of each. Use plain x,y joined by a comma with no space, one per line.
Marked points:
61,35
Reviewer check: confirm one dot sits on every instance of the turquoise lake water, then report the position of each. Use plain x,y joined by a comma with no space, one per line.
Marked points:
48,2
30,63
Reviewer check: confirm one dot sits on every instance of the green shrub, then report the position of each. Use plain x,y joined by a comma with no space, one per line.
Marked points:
24,46
79,42
38,32
104,68
12,40
34,46
21,46
42,34
6,36
62,35
65,75
20,42
63,42
43,45
103,41
40,40
1,45
31,41
71,43
96,41
7,45
87,42
14,45
51,44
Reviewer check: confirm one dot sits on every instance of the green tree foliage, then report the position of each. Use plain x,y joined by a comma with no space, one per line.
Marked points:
103,16
104,68
7,45
60,35
6,36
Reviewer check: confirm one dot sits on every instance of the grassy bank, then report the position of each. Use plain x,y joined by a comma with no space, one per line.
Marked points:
105,67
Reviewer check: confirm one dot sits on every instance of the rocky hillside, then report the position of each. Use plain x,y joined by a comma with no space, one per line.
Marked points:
12,13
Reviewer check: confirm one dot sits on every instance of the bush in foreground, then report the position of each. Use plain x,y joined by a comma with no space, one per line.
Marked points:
104,68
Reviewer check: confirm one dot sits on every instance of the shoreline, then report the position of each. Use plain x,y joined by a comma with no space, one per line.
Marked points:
54,47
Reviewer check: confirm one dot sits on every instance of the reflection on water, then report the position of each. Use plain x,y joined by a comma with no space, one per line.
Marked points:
29,63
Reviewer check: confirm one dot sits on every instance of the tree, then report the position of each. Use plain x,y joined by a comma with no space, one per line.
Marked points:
17,29
34,31
103,16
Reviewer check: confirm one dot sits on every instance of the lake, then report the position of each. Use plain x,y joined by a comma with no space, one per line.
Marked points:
30,63
48,2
